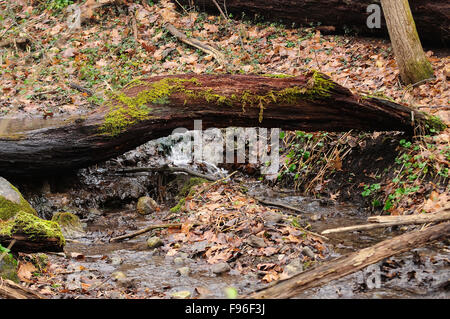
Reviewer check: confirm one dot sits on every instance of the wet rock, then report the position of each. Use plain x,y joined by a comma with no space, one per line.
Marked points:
184,271
8,267
220,268
154,242
314,217
272,217
181,294
294,267
115,261
115,295
256,241
117,275
70,224
308,252
179,261
123,280
12,201
146,205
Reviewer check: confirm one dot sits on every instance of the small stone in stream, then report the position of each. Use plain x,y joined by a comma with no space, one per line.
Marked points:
115,295
220,268
183,271
272,217
146,205
256,241
181,294
154,242
126,282
290,270
308,252
115,261
314,217
118,275
178,261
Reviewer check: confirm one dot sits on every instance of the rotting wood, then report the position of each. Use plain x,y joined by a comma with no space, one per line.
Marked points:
388,221
10,290
338,268
308,102
24,243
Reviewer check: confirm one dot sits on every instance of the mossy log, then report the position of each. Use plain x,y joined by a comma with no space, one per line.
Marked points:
31,234
152,108
431,16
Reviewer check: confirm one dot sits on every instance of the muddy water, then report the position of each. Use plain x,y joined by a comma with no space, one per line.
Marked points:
422,273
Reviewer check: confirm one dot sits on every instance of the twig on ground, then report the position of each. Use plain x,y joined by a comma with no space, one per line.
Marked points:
167,168
196,43
147,229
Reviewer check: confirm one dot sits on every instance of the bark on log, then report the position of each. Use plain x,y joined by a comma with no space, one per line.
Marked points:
432,17
31,245
353,262
154,107
388,221
10,290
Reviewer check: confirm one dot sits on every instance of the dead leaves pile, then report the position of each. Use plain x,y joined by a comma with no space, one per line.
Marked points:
234,228
113,47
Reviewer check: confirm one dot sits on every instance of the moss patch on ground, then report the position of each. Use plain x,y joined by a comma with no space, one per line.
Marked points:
186,191
8,265
69,223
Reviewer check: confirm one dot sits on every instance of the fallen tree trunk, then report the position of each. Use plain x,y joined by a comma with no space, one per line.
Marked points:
10,290
32,245
353,262
152,108
387,221
432,17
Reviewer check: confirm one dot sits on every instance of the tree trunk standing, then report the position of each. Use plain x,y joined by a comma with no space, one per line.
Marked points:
409,55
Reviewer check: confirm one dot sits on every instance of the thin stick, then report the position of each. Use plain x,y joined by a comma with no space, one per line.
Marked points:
169,169
196,43
278,204
147,229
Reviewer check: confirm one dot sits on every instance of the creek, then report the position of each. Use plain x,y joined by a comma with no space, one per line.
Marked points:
94,261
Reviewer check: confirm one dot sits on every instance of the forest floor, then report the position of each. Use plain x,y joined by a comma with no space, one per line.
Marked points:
50,70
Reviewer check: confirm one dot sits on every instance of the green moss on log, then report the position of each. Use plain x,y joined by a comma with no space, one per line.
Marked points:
127,110
32,226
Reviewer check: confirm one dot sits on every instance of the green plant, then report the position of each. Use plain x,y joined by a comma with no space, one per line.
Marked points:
58,5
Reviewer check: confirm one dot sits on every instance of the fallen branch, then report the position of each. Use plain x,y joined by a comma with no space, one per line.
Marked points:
278,204
388,221
145,230
10,290
167,168
196,43
353,262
